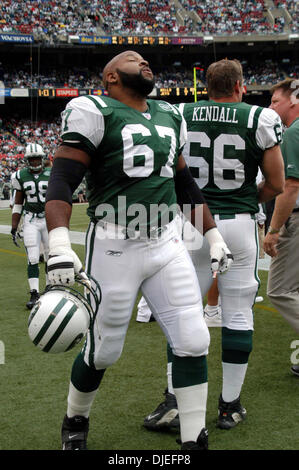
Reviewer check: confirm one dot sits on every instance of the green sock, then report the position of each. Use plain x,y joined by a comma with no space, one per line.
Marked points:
85,378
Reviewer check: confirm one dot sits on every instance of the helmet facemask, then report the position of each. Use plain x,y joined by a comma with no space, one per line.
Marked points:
35,168
34,151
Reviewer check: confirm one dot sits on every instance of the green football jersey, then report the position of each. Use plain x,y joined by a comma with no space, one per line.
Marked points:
225,146
34,187
133,157
289,150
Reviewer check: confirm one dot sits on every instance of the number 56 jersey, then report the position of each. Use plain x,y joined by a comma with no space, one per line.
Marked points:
225,146
133,154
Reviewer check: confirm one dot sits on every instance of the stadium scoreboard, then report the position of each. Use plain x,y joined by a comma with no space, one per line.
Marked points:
180,91
75,92
141,40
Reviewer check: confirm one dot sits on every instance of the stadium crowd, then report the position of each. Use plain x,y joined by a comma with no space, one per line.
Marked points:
49,19
15,134
177,75
55,20
14,77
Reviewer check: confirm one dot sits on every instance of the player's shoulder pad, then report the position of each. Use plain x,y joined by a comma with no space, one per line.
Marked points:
269,117
164,106
180,107
22,172
47,171
16,181
93,104
13,176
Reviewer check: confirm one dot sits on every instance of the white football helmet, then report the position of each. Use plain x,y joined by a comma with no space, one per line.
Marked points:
61,317
34,151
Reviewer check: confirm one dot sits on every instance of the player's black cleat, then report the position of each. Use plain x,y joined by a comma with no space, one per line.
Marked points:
34,296
166,415
200,444
230,413
74,433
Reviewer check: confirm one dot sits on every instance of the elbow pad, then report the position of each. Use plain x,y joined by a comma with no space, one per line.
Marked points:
66,175
187,189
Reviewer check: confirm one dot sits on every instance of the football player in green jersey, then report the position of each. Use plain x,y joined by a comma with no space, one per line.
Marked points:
30,185
129,149
227,142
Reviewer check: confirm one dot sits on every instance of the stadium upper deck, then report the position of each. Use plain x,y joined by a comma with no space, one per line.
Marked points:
55,20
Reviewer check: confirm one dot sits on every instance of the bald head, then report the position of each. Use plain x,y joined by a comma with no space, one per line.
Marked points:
128,73
116,62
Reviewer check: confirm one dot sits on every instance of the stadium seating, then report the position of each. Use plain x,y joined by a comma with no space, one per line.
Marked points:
15,134
55,20
258,74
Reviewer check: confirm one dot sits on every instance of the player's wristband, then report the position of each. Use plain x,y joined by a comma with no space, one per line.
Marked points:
213,236
17,209
59,237
272,230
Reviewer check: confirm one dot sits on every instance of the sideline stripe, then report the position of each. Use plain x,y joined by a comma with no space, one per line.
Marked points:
77,237
10,252
264,307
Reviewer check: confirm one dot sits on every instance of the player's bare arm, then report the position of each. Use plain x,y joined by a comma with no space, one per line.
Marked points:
68,170
284,206
17,209
16,215
200,216
201,205
273,170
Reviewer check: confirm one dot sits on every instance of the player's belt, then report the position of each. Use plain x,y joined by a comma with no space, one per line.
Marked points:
232,216
123,233
34,215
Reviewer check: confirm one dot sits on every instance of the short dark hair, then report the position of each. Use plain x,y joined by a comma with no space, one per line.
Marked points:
222,77
285,86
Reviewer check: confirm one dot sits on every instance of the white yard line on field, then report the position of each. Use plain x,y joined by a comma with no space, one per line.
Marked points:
77,238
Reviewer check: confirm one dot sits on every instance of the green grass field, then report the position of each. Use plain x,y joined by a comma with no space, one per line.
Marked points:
34,385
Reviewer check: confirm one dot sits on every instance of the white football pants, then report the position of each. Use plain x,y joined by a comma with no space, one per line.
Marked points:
238,286
164,272
35,231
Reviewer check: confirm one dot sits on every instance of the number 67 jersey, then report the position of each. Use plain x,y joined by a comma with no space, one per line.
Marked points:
225,146
133,154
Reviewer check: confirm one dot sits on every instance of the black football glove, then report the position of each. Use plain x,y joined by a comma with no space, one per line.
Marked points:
15,235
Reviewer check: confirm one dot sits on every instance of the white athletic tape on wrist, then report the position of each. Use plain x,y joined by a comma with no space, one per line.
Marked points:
60,244
59,237
214,236
17,209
